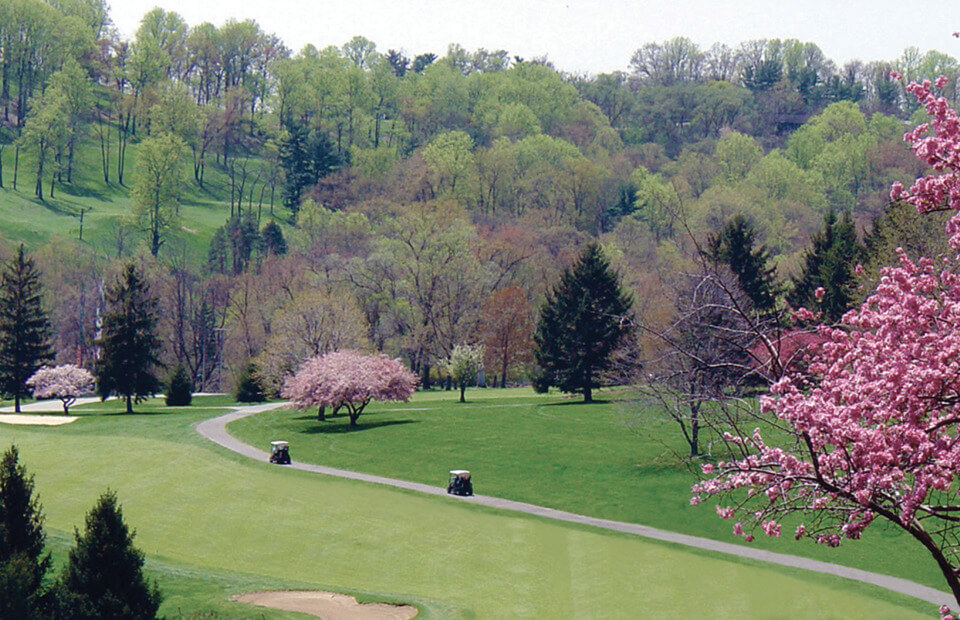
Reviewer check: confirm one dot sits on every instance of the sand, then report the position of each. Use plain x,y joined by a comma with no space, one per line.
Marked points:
327,605
35,420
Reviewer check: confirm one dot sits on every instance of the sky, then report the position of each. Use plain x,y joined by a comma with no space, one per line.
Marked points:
580,36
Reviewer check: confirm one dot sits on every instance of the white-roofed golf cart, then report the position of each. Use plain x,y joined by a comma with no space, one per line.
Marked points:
460,482
280,452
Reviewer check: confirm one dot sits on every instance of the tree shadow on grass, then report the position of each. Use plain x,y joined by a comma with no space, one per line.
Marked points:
567,403
322,428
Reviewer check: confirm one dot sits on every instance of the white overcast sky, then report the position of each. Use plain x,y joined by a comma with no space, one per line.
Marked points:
581,35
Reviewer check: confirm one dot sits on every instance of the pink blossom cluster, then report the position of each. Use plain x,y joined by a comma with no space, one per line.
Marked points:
938,144
349,378
66,382
875,419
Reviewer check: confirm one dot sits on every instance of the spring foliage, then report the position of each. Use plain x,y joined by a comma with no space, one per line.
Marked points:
349,379
67,382
876,416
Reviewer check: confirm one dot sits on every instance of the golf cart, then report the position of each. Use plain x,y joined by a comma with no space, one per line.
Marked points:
280,452
460,482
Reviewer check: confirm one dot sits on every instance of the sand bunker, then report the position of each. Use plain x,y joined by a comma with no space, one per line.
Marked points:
327,605
37,420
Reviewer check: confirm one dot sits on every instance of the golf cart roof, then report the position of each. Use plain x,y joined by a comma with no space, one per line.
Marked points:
463,473
279,444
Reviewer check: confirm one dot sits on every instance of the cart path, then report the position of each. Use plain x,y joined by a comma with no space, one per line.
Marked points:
215,429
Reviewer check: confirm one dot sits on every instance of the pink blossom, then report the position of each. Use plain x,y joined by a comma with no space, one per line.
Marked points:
66,382
725,513
707,468
819,293
748,538
771,528
801,530
738,529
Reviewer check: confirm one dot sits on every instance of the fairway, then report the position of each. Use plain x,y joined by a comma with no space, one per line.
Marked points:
214,524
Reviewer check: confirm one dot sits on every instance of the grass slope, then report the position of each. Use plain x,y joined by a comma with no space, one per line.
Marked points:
610,460
213,523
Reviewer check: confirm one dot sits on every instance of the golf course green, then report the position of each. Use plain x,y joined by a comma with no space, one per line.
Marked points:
214,524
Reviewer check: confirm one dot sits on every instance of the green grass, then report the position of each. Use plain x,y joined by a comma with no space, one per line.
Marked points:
213,523
614,460
24,218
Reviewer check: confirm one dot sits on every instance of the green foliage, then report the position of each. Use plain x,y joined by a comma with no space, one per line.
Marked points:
249,385
582,322
104,576
22,562
736,246
271,238
463,364
158,187
24,327
129,344
179,388
830,265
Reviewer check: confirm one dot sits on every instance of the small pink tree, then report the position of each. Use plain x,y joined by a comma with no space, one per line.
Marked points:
67,382
348,379
874,419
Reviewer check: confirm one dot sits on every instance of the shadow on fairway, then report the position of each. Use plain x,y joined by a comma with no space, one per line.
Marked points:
567,403
325,428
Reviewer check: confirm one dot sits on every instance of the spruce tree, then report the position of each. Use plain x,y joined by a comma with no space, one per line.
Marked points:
22,561
104,573
830,264
271,237
735,246
179,388
582,322
129,343
24,328
249,386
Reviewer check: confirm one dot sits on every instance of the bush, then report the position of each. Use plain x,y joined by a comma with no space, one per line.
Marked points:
539,380
249,386
104,573
179,388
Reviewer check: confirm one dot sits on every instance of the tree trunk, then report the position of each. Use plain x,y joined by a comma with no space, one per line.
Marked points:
321,417
16,402
129,403
16,165
463,388
588,395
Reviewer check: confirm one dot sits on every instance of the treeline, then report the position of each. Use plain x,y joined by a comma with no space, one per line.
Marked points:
423,201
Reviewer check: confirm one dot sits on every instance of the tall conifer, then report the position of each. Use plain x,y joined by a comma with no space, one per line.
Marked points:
735,246
581,323
24,328
129,343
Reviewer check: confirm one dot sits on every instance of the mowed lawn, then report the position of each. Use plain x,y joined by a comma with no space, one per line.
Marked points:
213,524
615,459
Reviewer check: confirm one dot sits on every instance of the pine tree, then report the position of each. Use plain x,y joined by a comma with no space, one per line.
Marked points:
129,343
219,253
22,561
581,324
24,328
734,246
830,264
271,237
104,573
249,387
179,388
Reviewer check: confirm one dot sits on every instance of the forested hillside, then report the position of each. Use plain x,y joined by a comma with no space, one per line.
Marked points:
285,203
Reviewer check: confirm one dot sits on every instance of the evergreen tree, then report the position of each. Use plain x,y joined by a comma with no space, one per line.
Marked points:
830,264
129,343
272,239
249,386
581,324
24,328
22,562
179,388
218,255
104,573
734,246
244,238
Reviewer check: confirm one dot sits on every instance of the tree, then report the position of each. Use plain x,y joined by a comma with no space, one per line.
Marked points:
584,319
507,330
830,265
349,379
129,344
22,562
158,186
104,576
24,328
67,382
734,246
871,428
179,388
463,364
271,237
249,385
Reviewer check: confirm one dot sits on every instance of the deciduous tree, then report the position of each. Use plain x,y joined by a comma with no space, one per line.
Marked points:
67,382
463,364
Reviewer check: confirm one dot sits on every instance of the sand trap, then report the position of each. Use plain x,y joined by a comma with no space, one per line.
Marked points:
327,605
36,420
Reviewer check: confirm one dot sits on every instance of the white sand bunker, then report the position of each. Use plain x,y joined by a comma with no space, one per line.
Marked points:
36,420
327,605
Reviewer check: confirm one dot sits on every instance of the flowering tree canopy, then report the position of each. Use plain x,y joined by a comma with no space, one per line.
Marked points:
464,363
874,418
349,379
67,382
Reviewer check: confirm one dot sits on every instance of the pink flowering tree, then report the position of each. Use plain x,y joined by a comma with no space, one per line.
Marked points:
348,379
874,418
67,382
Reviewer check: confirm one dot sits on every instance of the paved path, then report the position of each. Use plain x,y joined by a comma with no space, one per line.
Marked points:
49,406
215,430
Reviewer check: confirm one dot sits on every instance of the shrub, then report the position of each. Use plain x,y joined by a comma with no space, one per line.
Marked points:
249,387
179,388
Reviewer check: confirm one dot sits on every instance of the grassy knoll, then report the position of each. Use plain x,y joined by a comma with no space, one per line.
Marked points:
213,524
24,218
607,460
